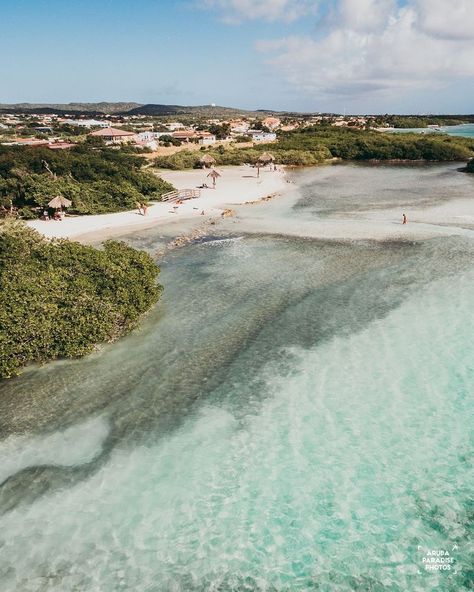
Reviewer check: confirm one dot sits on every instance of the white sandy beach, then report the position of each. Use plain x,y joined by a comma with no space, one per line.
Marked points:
237,185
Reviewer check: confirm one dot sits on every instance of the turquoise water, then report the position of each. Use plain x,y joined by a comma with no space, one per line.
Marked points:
294,415
465,130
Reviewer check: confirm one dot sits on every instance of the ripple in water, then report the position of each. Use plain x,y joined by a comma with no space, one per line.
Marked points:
293,416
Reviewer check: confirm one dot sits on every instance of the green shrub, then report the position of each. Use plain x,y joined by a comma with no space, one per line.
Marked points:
96,179
60,298
27,214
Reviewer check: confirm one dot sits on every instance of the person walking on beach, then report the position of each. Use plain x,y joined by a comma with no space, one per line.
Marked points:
404,219
139,207
144,208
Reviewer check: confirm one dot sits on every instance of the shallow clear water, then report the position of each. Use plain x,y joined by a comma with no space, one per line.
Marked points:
294,415
465,130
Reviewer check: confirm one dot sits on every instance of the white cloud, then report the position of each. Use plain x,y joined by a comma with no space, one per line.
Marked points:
234,11
363,15
446,19
375,47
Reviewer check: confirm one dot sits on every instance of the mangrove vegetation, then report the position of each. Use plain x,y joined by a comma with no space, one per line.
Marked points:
320,143
59,299
96,179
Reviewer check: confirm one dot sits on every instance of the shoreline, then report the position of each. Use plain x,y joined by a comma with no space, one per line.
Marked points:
237,185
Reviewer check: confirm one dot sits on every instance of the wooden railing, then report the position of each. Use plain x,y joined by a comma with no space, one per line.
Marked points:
181,194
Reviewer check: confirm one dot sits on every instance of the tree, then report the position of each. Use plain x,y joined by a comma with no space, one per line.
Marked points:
60,298
220,131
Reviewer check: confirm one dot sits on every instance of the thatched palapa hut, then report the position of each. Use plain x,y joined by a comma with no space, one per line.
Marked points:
207,161
59,202
263,160
214,174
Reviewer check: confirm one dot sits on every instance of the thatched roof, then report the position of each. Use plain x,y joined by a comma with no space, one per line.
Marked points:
207,159
214,174
266,157
59,202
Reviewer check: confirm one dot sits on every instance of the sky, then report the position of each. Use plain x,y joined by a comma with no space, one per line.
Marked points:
353,56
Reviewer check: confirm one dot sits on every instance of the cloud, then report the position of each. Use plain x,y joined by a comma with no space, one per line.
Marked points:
376,47
445,19
362,15
235,11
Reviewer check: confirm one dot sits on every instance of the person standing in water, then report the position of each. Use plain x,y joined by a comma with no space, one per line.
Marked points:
404,219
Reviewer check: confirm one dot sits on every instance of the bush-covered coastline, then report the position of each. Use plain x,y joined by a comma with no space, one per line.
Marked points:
60,299
318,144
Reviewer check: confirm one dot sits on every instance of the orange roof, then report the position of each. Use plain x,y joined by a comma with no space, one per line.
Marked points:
184,134
111,132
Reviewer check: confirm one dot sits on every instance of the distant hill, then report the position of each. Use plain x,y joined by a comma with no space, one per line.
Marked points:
198,110
104,108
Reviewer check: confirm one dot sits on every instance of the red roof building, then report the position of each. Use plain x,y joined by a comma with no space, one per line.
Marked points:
184,135
114,135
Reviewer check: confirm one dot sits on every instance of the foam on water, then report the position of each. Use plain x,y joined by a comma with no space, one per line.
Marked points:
74,446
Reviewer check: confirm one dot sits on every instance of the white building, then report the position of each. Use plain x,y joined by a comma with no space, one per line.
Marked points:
239,126
259,136
175,125
85,123
206,139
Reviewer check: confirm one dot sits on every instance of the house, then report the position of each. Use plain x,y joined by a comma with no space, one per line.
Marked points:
152,144
150,136
147,136
239,126
173,126
271,122
112,135
85,123
206,138
185,135
259,136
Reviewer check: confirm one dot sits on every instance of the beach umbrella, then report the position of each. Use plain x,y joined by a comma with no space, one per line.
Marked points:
266,157
59,202
263,160
207,161
214,174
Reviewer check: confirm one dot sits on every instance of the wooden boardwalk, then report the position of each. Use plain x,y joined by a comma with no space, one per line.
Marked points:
181,194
